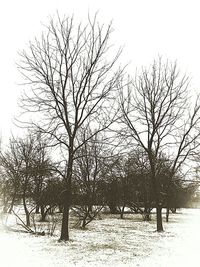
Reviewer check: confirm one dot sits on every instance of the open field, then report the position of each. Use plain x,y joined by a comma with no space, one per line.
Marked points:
109,241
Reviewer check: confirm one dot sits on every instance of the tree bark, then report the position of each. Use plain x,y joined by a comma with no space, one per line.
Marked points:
159,218
65,224
167,214
66,198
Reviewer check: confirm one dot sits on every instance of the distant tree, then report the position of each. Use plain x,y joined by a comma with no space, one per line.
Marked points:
137,171
89,173
5,190
111,192
120,190
182,194
122,184
49,198
158,116
11,164
24,165
72,78
42,170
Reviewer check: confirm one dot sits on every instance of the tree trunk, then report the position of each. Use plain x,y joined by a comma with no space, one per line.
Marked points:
37,209
122,212
60,208
65,224
84,222
43,213
90,206
12,203
167,214
173,210
28,223
159,218
51,210
66,196
113,208
147,215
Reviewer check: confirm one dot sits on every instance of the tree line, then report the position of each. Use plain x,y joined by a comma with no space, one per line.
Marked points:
100,179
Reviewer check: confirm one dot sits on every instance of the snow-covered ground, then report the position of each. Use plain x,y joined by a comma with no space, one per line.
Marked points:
109,242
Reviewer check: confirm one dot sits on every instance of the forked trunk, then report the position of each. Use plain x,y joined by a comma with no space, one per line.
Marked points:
122,212
84,222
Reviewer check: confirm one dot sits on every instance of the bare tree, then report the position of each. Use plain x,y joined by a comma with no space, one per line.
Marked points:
25,165
159,116
17,166
42,169
137,171
72,78
90,170
10,176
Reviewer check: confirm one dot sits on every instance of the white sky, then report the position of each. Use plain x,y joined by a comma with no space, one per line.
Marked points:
146,29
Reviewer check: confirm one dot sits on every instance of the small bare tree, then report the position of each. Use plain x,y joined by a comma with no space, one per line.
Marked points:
10,164
72,78
90,170
158,116
25,165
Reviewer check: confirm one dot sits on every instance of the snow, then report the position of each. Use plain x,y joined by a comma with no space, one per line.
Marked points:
108,242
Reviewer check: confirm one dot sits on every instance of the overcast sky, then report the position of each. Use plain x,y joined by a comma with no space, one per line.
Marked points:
145,28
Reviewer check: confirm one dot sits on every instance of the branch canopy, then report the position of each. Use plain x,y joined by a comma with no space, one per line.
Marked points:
72,77
160,114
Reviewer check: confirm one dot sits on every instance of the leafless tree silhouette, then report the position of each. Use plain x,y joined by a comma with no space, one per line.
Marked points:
158,115
71,79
